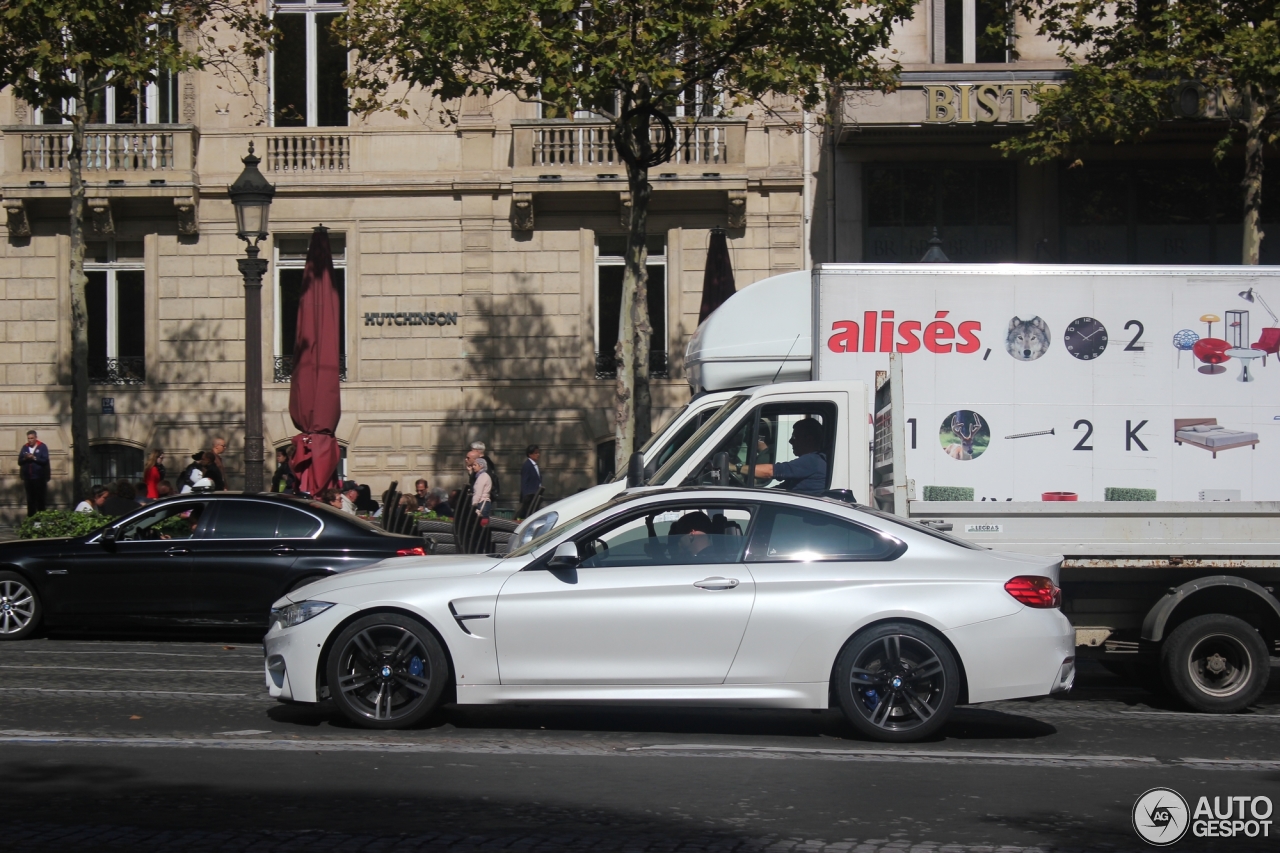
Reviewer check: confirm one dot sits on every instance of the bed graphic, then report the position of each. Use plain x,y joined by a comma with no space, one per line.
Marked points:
1207,435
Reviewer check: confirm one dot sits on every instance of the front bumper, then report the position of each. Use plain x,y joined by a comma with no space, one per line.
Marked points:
292,655
1016,656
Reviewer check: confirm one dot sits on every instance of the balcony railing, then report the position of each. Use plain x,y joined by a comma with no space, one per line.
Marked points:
130,370
561,143
107,148
284,368
308,152
607,365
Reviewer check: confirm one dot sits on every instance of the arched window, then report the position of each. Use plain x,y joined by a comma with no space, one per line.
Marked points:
111,462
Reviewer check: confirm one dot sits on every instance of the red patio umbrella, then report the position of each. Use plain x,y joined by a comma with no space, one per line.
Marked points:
717,280
315,398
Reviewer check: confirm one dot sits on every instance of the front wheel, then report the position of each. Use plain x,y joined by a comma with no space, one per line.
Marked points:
897,682
386,671
1215,663
20,609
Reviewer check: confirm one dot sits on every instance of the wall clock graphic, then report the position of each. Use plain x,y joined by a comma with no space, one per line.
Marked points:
1085,338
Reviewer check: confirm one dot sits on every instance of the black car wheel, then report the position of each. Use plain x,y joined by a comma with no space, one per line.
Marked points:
386,671
19,607
897,682
1215,663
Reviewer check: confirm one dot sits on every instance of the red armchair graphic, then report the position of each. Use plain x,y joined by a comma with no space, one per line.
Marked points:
1213,352
1269,343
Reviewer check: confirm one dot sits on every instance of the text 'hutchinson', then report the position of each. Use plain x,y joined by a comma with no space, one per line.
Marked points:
876,334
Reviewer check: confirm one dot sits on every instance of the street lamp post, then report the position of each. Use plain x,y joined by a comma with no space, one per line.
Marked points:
251,195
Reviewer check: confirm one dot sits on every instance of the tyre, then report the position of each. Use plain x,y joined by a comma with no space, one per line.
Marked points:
1215,663
897,682
20,609
386,671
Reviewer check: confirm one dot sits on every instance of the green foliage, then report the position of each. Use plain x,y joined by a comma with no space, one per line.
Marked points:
53,51
598,56
51,523
1128,58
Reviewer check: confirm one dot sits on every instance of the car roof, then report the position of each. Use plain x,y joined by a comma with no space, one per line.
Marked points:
735,493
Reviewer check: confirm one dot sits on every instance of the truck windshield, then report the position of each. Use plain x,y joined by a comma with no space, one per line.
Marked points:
672,439
695,442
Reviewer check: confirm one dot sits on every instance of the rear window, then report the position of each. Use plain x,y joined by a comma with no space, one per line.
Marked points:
921,528
799,535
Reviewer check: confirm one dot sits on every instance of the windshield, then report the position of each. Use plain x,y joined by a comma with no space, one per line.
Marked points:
920,528
672,439
676,462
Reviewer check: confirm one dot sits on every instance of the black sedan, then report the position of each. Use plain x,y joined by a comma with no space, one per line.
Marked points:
198,560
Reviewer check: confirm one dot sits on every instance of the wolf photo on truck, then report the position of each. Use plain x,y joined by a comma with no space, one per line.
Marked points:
1125,418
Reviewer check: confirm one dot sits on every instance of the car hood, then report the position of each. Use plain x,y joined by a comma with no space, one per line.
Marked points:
398,569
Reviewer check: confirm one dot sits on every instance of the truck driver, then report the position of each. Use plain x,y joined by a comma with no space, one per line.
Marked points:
807,473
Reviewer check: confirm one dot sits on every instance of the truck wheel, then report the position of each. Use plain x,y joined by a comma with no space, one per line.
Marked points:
897,682
1215,663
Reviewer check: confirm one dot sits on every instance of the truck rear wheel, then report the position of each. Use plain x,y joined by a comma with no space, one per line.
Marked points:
1215,663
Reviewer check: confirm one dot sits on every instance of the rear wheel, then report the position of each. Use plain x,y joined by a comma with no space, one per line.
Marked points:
897,682
20,609
1215,663
386,671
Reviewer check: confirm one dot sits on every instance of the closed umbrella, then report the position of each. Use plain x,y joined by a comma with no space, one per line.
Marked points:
315,398
717,279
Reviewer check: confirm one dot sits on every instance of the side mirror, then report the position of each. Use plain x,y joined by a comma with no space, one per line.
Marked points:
635,471
565,557
108,536
720,468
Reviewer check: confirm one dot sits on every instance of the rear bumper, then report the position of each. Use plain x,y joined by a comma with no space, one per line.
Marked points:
1020,655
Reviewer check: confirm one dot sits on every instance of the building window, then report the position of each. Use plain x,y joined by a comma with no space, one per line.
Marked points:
610,266
291,260
975,30
307,66
1175,212
110,463
116,297
971,204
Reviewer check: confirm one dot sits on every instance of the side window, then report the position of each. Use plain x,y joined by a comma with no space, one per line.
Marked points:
173,521
294,524
245,520
678,440
797,437
797,535
671,537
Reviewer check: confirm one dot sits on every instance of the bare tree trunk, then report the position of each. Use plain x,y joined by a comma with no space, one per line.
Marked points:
637,268
1255,116
79,307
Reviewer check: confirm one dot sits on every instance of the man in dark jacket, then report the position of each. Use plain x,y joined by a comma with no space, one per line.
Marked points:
530,480
33,465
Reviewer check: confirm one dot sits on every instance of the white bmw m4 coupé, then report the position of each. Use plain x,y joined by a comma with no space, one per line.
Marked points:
707,596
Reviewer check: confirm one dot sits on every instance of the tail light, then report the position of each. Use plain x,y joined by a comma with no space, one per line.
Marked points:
1034,591
417,551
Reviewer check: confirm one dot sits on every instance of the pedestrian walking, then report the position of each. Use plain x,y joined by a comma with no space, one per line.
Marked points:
217,473
481,505
530,480
489,467
33,466
153,472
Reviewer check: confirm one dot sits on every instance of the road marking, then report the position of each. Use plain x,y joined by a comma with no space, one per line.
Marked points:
139,693
895,754
244,733
38,666
1191,715
1232,763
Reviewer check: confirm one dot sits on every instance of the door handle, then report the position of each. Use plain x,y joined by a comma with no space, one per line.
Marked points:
281,550
716,583
177,552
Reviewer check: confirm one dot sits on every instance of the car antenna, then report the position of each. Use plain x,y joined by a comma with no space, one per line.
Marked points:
784,359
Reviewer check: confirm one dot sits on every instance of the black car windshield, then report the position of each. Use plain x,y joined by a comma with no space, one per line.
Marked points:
696,441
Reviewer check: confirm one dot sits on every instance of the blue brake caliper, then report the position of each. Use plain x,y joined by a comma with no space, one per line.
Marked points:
415,666
871,698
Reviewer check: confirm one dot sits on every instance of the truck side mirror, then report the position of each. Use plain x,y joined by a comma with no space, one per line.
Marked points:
565,557
720,468
635,471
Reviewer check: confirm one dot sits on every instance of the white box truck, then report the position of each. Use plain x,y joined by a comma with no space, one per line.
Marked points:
1126,418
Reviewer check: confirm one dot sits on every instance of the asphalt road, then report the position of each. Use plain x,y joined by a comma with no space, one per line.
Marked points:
150,746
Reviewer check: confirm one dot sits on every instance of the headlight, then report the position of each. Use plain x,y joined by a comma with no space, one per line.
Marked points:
296,614
538,527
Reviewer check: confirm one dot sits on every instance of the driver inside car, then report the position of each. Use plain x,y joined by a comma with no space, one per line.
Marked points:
691,533
807,473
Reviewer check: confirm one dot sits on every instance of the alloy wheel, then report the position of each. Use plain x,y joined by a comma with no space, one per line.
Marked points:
17,606
384,673
898,683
